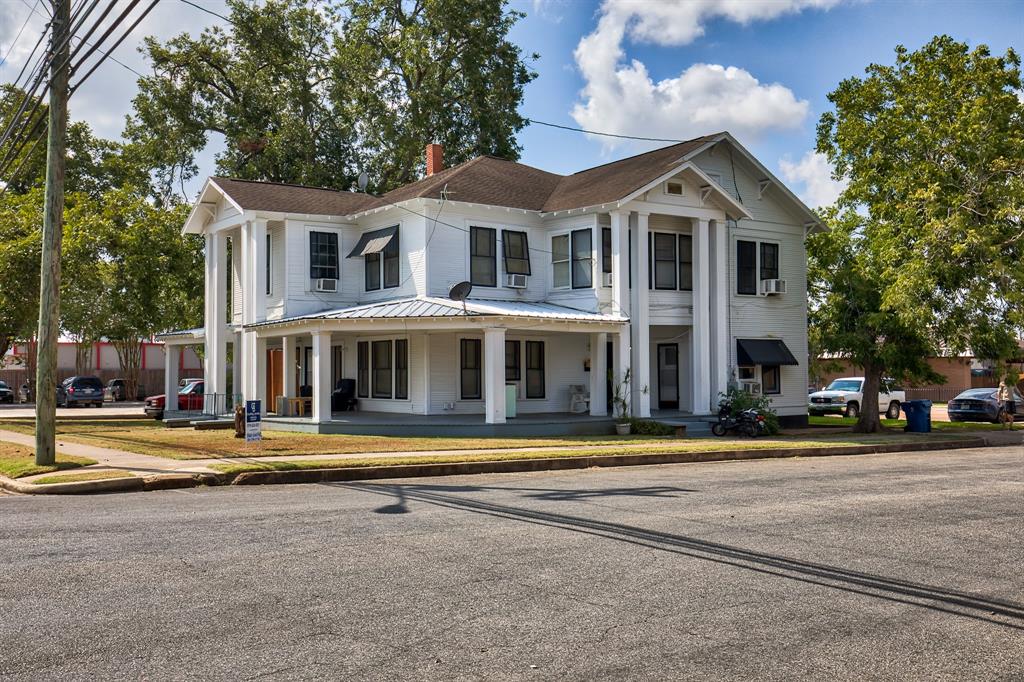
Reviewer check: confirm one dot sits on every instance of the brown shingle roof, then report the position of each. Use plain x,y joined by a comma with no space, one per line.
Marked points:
272,196
484,180
615,180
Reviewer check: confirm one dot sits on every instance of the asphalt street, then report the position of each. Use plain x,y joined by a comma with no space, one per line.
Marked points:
904,566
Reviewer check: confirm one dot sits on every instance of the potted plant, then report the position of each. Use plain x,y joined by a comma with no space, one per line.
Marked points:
620,405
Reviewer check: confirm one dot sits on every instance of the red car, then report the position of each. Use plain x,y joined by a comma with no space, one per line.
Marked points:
190,399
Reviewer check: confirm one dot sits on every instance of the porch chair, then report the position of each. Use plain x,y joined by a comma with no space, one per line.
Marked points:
343,399
579,399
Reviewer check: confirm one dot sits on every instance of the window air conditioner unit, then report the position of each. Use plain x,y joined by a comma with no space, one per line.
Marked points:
753,387
773,287
606,279
515,281
329,285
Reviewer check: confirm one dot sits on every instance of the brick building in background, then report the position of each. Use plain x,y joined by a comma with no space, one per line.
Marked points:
102,361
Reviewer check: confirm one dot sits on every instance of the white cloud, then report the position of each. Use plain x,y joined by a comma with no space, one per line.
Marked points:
813,176
622,98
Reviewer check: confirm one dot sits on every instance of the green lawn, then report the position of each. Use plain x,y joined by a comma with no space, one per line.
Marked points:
81,476
17,461
694,445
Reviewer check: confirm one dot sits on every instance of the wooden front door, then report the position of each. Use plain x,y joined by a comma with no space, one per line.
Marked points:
275,377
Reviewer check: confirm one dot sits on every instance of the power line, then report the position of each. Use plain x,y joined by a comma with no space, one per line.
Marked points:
208,11
593,132
14,42
115,45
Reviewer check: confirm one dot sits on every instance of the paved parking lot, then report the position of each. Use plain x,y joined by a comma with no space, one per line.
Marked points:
902,566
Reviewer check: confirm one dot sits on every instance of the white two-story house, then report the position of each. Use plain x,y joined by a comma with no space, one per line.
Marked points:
682,269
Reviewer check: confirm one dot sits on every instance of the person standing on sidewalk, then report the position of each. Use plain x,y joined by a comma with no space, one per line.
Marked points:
1006,401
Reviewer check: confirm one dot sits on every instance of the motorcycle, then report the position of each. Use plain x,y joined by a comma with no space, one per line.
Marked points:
750,423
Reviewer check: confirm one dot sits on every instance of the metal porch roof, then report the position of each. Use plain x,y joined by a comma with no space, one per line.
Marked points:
433,307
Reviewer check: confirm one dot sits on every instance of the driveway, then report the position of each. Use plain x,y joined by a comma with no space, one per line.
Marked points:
870,567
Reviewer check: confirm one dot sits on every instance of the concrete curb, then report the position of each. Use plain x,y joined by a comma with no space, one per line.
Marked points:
171,481
335,474
127,484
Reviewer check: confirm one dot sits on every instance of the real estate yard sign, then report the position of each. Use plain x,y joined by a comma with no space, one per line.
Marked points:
252,420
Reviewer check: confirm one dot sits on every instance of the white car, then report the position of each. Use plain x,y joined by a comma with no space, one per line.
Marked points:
845,396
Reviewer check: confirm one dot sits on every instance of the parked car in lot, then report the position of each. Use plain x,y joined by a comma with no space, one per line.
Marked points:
190,399
80,391
117,391
844,396
978,405
6,393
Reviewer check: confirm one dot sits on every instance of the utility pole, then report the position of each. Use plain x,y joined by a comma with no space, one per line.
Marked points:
53,229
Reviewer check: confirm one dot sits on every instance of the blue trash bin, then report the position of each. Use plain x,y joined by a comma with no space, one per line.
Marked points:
919,416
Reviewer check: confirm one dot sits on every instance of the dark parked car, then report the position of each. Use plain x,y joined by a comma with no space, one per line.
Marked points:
6,393
979,405
80,391
117,390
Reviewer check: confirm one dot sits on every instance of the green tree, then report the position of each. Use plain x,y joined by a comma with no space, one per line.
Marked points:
20,217
926,246
314,96
432,71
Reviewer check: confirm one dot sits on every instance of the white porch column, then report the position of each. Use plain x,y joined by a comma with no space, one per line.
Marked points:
599,374
639,317
621,366
171,373
494,375
215,374
257,267
321,376
620,261
426,373
236,363
259,389
288,366
719,309
701,332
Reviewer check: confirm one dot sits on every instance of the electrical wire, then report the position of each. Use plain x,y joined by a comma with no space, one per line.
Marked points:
10,48
593,132
106,54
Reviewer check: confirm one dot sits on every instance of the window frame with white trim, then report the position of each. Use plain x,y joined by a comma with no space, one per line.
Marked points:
571,260
525,367
758,266
367,370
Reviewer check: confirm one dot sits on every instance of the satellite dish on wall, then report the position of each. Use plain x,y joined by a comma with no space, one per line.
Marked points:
363,181
460,292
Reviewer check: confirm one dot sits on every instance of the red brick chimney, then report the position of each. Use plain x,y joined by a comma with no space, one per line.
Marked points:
435,159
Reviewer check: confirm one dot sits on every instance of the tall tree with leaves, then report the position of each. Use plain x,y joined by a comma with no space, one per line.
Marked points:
314,96
927,248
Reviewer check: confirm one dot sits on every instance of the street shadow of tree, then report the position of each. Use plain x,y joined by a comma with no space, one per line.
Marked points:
935,598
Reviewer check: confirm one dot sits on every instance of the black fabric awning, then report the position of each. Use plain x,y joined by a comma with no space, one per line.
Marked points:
373,242
763,352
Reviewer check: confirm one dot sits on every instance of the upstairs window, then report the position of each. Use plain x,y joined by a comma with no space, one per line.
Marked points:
665,262
582,259
561,276
323,255
769,260
483,261
268,268
606,249
686,262
382,267
746,268
515,248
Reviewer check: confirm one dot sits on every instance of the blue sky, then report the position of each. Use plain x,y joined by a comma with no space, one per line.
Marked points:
760,68
807,51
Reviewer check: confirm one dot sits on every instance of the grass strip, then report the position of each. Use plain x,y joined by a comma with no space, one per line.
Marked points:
898,424
17,461
692,445
81,476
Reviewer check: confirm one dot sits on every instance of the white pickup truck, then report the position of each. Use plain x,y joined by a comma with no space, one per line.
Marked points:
844,396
